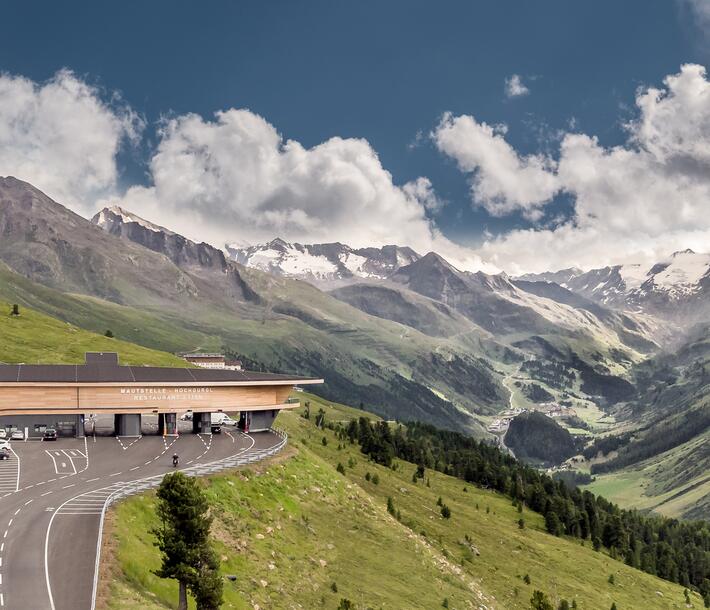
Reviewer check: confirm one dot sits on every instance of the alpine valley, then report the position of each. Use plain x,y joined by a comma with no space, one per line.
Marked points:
616,358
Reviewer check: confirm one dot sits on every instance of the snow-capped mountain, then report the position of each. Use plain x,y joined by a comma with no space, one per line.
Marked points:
673,288
112,217
323,262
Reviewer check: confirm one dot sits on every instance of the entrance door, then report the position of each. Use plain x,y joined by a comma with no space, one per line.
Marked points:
244,421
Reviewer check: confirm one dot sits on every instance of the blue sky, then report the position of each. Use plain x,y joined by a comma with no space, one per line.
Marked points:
382,71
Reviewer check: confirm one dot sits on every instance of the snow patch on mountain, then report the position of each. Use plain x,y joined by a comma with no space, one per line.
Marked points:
675,287
113,213
322,262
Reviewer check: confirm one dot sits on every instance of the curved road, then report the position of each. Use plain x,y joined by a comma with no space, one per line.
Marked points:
52,496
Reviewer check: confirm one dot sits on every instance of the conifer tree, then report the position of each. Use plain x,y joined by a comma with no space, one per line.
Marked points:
183,540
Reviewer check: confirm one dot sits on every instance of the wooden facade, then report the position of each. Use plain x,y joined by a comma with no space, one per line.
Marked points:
77,398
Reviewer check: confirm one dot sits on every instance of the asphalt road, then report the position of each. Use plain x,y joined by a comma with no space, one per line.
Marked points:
52,495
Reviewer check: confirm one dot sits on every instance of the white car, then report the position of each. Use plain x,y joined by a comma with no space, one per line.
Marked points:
3,433
17,435
4,445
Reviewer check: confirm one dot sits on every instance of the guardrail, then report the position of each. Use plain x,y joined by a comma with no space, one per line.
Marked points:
142,485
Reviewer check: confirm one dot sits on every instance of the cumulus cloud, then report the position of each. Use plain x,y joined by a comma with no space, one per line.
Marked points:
502,181
514,86
638,201
61,137
235,178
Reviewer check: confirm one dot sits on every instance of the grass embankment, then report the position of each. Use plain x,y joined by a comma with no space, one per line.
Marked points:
295,529
33,338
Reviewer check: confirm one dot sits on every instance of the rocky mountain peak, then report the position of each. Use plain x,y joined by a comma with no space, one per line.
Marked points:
322,263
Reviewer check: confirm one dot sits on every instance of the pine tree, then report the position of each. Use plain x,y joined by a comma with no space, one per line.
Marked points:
552,523
183,540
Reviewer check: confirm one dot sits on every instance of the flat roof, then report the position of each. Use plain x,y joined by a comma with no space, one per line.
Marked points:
114,373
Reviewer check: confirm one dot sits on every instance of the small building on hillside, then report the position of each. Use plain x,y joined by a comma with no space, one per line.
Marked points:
213,361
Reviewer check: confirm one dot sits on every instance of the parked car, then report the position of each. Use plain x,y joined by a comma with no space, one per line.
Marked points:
50,434
4,454
17,435
186,416
4,445
3,433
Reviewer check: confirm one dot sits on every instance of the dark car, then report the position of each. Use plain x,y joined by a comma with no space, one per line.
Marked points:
4,454
50,434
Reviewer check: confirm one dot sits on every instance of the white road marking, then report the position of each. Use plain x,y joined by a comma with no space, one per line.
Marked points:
71,461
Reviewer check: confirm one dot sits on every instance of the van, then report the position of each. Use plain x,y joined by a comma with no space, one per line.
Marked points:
222,419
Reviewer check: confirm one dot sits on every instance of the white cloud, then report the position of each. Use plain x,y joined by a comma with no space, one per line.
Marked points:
502,181
422,190
514,86
235,178
639,201
61,137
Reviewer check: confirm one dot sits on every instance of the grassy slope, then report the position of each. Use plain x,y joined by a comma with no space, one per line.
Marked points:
316,527
33,337
652,484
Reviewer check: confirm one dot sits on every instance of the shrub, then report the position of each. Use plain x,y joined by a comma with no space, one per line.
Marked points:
340,468
445,512
539,601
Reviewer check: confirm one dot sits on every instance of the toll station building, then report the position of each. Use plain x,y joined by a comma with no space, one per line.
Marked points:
62,396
